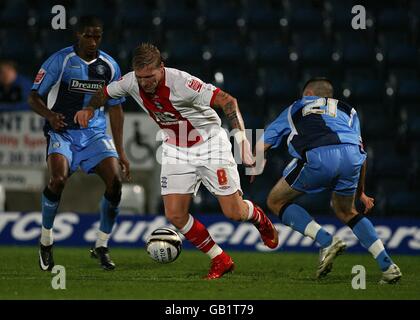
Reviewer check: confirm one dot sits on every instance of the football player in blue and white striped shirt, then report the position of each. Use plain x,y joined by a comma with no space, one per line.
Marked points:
324,137
67,80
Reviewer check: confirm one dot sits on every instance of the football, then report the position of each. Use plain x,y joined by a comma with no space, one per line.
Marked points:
164,245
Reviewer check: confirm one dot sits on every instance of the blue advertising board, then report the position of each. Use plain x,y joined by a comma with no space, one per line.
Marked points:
72,229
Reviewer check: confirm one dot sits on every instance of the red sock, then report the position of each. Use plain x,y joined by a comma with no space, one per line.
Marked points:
198,235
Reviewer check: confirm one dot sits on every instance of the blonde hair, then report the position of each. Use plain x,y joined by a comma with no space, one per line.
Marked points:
146,54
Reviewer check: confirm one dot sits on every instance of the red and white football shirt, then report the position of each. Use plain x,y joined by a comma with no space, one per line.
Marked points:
181,106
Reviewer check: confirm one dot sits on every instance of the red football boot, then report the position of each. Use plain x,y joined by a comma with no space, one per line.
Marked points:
220,265
269,233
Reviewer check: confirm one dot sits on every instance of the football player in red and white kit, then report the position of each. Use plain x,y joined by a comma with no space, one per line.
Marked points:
195,148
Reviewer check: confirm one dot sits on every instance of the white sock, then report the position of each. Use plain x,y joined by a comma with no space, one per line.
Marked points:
376,248
102,240
250,209
251,213
47,238
188,225
214,251
312,229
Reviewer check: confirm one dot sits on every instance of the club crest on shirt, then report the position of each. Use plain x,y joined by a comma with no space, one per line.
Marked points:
194,84
164,182
100,69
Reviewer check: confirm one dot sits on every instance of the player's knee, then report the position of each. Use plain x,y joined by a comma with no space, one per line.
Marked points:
177,218
274,205
346,216
57,183
114,187
343,211
113,191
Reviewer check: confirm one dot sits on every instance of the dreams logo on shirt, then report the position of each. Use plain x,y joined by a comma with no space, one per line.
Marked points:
86,86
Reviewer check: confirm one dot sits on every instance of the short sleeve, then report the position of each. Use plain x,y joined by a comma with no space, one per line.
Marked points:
119,88
115,78
355,123
48,75
276,130
196,91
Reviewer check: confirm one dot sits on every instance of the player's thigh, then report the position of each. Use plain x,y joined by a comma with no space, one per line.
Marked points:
59,154
350,165
58,166
281,194
343,206
177,208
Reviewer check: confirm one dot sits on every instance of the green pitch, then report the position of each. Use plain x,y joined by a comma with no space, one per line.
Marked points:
257,276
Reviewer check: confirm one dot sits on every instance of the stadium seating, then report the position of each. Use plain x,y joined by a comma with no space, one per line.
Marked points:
262,51
13,14
137,14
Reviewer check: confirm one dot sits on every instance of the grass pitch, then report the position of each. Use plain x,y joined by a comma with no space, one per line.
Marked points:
257,276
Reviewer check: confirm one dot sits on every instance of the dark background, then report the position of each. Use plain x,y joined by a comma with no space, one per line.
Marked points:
262,52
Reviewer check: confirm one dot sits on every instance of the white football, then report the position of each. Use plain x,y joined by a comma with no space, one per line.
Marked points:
164,245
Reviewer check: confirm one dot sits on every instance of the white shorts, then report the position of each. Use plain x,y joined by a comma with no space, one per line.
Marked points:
212,162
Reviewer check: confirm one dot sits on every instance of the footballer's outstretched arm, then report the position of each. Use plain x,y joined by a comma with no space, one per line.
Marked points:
230,107
116,119
362,179
367,201
99,99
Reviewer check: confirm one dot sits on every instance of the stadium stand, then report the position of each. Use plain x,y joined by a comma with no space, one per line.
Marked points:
262,51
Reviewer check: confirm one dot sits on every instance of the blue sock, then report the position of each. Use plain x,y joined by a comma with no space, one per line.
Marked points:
49,203
109,212
300,220
366,233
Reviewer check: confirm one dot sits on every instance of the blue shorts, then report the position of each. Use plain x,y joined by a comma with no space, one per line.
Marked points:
333,167
86,156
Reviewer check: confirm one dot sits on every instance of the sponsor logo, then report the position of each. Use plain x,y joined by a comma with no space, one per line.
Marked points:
165,117
398,236
40,76
158,105
86,86
194,84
